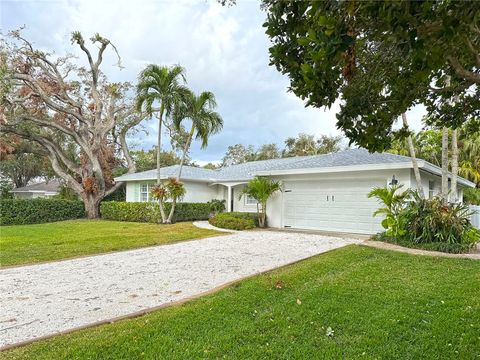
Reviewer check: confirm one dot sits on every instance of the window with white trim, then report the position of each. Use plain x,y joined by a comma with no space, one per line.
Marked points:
250,200
144,192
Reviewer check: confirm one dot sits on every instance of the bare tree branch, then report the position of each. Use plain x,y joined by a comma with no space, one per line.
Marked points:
462,72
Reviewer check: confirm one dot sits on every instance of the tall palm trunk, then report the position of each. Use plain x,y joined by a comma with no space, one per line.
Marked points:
454,196
411,149
159,152
444,164
185,150
182,161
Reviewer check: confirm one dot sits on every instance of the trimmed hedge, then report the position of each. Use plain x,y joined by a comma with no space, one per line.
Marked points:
36,211
246,215
233,221
150,212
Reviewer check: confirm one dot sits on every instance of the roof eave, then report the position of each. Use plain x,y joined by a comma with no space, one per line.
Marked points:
438,171
363,167
153,178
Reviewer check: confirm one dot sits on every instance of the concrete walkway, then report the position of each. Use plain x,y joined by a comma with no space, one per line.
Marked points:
45,299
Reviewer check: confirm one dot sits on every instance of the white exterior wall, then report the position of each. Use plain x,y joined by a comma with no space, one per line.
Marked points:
33,195
195,191
241,205
427,177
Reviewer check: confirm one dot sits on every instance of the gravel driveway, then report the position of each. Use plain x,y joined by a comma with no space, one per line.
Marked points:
41,300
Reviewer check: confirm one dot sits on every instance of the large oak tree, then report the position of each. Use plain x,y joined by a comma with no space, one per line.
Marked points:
60,105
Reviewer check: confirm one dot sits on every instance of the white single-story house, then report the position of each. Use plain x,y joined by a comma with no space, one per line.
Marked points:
321,192
44,189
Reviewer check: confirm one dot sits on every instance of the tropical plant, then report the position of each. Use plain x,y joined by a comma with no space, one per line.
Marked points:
394,203
175,190
160,90
171,190
216,206
205,122
261,189
432,221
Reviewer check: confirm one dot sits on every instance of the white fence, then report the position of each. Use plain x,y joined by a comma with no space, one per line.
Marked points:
475,216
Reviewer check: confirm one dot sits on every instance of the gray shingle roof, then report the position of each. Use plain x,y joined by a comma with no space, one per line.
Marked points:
248,170
188,172
47,186
342,158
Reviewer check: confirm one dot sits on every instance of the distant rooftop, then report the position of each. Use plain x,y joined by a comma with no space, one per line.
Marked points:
44,186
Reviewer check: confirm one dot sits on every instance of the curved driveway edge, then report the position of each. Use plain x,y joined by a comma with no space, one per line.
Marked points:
45,299
413,251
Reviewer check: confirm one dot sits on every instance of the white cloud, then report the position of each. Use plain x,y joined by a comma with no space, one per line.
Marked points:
224,50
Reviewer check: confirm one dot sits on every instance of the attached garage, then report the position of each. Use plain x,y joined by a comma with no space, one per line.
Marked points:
333,205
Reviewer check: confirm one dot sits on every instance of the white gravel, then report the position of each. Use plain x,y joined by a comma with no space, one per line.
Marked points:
41,300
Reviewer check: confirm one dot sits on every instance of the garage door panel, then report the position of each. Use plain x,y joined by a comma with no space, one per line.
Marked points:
347,209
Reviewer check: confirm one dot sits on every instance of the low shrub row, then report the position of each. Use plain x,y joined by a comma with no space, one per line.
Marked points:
36,211
150,212
234,221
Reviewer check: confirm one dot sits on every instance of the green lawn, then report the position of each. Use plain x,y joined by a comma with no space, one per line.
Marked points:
379,304
25,244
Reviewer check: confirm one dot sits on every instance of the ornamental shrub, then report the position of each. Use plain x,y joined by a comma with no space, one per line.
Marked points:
233,221
36,211
431,221
150,212
425,223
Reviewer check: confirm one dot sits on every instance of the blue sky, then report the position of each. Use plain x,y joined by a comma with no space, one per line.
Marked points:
224,50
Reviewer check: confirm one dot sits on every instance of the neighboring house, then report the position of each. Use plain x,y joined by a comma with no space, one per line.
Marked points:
43,189
321,192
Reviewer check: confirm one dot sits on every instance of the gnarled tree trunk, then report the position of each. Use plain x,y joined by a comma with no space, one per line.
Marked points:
92,204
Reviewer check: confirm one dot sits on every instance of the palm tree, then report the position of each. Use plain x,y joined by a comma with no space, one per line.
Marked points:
261,188
411,149
164,87
393,202
205,122
470,156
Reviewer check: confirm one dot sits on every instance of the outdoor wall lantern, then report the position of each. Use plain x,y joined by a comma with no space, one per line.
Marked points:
394,181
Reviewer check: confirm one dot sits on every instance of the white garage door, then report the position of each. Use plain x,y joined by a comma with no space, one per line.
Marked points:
340,205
